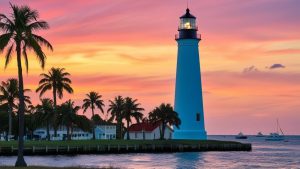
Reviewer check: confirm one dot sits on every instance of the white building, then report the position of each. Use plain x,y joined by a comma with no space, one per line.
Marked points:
105,132
101,131
147,131
2,136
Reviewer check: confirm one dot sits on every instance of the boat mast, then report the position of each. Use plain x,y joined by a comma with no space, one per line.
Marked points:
278,126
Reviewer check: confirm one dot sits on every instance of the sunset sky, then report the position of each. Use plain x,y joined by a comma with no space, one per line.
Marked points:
249,54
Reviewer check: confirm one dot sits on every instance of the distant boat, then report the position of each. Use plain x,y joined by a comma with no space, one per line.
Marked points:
241,136
276,136
259,134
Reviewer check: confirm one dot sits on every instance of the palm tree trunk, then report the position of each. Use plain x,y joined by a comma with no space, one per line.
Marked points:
119,128
9,121
54,111
48,130
160,131
94,134
163,131
128,138
20,160
68,133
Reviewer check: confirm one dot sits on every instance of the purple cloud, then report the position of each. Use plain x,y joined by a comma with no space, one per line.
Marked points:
276,66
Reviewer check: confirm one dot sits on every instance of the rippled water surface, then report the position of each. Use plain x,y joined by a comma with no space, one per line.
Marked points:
264,155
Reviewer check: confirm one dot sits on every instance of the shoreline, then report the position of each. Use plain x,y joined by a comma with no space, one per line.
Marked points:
120,147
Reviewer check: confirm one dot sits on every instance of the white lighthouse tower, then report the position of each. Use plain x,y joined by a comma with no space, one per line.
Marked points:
188,90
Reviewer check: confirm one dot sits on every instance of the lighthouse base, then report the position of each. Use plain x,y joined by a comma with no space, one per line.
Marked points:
190,134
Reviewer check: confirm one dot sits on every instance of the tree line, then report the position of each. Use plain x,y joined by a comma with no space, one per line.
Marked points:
49,115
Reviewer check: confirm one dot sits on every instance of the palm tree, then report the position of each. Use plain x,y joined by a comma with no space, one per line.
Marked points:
131,109
45,112
116,108
93,100
19,36
56,80
68,115
165,115
97,119
83,123
10,93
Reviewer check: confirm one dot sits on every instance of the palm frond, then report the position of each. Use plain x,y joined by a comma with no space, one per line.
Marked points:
25,57
45,76
4,41
8,55
38,25
68,88
42,41
44,89
33,44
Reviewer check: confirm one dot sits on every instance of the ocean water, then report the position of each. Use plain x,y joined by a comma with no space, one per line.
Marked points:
265,154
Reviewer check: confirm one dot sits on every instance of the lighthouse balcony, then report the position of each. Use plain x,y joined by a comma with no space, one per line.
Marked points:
187,36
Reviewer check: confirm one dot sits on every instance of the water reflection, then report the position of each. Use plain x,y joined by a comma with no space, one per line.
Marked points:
190,160
264,155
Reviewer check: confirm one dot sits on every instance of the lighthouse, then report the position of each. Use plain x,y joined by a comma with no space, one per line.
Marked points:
188,89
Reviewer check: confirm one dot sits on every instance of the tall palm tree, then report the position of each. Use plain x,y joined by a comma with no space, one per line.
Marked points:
165,115
45,113
131,109
116,108
10,93
68,115
93,100
19,36
56,80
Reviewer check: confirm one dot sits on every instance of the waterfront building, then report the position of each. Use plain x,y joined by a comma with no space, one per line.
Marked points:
103,132
148,131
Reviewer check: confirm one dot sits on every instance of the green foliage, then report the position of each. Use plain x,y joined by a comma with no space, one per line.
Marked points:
132,109
9,95
45,114
116,109
93,100
19,33
68,112
83,123
165,115
56,79
124,109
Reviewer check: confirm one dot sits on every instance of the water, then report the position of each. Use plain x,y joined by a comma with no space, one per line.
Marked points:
265,154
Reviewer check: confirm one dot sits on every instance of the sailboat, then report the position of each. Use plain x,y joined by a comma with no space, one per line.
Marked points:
241,136
276,136
259,134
